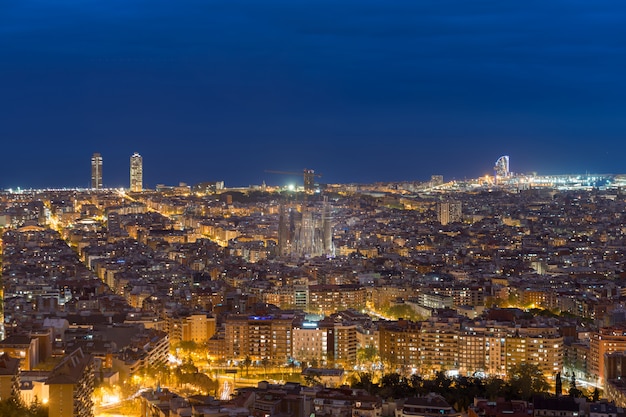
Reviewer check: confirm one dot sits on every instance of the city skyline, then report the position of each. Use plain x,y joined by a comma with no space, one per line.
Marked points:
308,180
358,92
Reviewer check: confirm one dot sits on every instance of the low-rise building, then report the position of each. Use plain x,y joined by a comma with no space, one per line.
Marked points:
432,405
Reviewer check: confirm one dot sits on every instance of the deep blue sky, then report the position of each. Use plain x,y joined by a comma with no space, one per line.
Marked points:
359,90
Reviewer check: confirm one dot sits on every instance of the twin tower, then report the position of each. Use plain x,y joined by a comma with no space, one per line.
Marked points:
136,172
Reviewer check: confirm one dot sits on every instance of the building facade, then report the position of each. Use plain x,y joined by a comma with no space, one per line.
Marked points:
400,344
449,212
260,338
197,327
71,385
605,341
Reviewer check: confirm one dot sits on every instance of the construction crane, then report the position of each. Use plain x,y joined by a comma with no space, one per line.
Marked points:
308,174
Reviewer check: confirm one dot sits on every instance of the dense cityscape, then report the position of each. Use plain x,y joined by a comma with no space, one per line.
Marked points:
501,295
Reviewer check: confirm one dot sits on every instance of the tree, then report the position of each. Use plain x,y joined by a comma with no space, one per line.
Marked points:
494,387
188,367
559,385
491,302
12,408
404,311
312,378
595,395
363,380
463,392
418,385
442,382
246,363
394,385
573,389
366,354
204,383
159,372
187,348
527,380
265,362
513,300
184,372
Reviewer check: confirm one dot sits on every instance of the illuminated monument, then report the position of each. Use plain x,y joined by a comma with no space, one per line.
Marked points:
96,171
136,173
307,233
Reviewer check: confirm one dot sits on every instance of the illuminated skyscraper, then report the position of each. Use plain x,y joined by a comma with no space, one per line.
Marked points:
501,170
96,171
136,173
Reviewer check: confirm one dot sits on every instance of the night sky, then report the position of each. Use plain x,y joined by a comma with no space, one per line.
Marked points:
358,90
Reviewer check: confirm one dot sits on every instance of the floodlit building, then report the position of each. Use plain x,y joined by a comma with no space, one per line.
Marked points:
196,327
342,343
439,345
263,337
310,343
544,351
400,343
136,173
328,298
605,341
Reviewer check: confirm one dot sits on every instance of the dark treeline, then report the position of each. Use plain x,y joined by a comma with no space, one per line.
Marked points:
459,391
12,408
